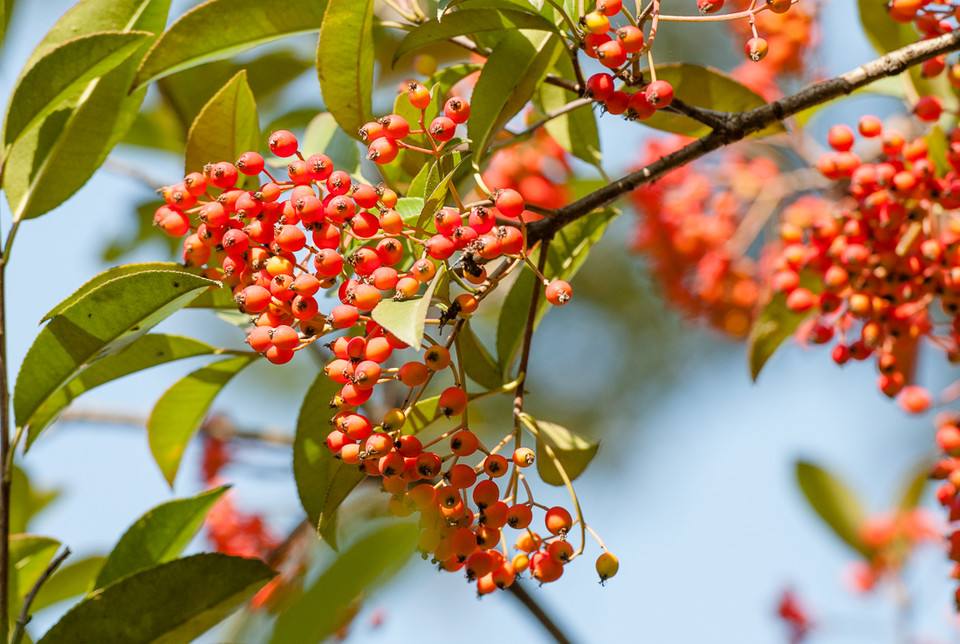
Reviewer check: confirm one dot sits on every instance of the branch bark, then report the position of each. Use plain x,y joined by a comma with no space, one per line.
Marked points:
732,127
520,593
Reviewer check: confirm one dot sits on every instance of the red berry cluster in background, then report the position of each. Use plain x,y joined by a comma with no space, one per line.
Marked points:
279,244
537,169
947,470
686,230
890,540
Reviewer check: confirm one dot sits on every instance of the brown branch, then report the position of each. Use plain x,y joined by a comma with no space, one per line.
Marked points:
521,595
737,127
24,617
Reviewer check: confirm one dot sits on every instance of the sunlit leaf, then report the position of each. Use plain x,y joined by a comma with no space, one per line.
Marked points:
573,451
70,580
97,322
29,556
775,324
222,28
26,501
323,135
477,361
149,351
345,62
181,409
225,128
575,131
323,481
406,319
173,602
510,76
834,502
158,536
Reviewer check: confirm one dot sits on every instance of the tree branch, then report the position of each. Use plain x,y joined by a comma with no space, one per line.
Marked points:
520,593
738,126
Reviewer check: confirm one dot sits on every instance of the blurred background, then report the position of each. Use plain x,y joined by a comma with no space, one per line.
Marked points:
693,487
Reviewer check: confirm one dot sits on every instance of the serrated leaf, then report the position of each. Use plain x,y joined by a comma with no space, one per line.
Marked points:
222,28
323,135
226,127
345,62
48,164
368,562
98,322
554,441
576,131
181,409
158,536
406,319
708,88
424,181
469,21
834,502
146,352
477,361
62,74
68,581
509,77
173,602
323,481
567,252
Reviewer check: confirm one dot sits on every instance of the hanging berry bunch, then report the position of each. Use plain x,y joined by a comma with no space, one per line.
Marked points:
280,244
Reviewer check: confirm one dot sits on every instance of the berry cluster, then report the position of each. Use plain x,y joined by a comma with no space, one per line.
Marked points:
873,268
890,540
686,229
538,169
279,243
947,470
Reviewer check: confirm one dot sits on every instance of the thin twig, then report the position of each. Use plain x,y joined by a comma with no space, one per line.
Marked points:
24,617
520,593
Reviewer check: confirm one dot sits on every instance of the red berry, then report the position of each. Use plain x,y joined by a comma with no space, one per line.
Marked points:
457,110
659,94
250,163
510,203
558,292
283,143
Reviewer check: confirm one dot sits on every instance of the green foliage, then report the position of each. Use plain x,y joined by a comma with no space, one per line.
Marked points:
71,579
508,80
29,557
26,501
181,409
54,158
323,481
95,323
834,502
324,136
226,127
438,195
576,131
173,602
470,21
477,362
556,443
222,28
405,319
707,88
148,351
158,536
566,254
345,62
913,486
775,324
371,560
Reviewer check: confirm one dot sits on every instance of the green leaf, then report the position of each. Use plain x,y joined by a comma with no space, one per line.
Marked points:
567,253
438,195
470,21
324,136
345,62
29,556
834,502
775,324
445,78
6,10
26,501
409,208
477,361
70,580
410,163
370,561
98,322
708,88
158,536
226,127
222,28
422,414
173,602
323,481
406,319
573,452
51,161
508,80
148,351
913,486
62,74
181,409
575,131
